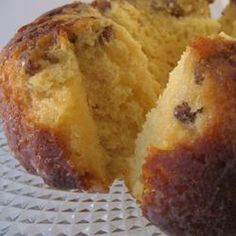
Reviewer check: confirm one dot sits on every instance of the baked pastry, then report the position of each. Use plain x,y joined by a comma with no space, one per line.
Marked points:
76,85
228,19
187,147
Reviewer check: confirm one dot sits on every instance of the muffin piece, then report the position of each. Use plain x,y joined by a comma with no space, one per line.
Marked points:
163,28
228,19
75,88
187,147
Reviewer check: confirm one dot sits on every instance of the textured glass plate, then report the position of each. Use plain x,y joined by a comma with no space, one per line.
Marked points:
29,207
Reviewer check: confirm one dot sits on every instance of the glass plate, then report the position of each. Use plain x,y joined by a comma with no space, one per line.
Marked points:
29,207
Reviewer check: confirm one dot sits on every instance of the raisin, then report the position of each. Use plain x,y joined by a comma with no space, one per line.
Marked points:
72,37
106,34
184,114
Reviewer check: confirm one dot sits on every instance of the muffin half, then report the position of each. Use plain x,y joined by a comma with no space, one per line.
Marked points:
187,147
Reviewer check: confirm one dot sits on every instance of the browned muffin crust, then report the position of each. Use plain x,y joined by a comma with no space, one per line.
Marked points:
190,189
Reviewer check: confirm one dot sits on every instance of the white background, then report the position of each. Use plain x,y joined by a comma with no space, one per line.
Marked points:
16,13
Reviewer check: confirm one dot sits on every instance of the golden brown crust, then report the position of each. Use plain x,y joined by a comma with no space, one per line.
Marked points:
190,190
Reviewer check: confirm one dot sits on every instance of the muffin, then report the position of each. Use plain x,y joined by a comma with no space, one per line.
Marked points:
77,83
186,150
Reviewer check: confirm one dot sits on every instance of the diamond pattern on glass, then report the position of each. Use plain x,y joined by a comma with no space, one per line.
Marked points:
29,207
